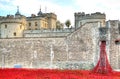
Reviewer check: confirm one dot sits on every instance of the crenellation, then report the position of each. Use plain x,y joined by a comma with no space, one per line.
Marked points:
81,18
14,20
96,15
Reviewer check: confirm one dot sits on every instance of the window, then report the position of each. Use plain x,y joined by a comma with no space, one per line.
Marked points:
29,24
14,33
35,23
117,42
5,26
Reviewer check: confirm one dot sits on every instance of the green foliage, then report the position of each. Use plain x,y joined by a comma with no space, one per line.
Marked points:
59,25
68,23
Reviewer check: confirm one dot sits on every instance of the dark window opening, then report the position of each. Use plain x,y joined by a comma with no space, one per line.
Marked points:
29,24
36,24
117,42
14,33
5,26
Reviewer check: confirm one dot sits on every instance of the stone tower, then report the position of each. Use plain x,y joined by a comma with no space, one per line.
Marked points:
41,21
12,26
81,18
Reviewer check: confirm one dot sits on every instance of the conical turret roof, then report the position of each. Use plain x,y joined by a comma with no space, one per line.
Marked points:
40,12
17,13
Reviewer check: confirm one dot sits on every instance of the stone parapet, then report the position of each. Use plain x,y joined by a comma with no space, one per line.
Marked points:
47,33
97,15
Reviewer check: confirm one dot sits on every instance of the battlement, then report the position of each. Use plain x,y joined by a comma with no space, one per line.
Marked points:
49,15
97,15
11,19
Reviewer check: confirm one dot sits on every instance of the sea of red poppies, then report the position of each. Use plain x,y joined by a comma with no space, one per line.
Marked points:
20,73
102,70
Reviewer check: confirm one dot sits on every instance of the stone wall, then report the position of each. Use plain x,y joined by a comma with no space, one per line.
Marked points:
48,32
35,53
82,18
114,49
12,27
78,50
31,52
75,51
85,43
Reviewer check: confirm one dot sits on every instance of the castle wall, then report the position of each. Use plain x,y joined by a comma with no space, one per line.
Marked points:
72,49
76,51
82,18
46,21
22,51
53,23
86,42
81,22
51,19
35,23
47,33
114,48
44,24
12,27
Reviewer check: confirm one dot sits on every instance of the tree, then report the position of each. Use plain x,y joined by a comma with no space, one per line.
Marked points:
59,25
68,23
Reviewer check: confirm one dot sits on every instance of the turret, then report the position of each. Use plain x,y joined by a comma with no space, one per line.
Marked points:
40,12
82,18
17,14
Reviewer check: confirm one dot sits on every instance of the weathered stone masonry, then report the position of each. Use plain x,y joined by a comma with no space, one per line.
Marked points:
78,50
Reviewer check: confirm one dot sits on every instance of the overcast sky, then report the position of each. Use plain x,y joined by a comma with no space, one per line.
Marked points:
64,9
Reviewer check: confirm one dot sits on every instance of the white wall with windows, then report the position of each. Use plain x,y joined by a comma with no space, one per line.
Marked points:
12,29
